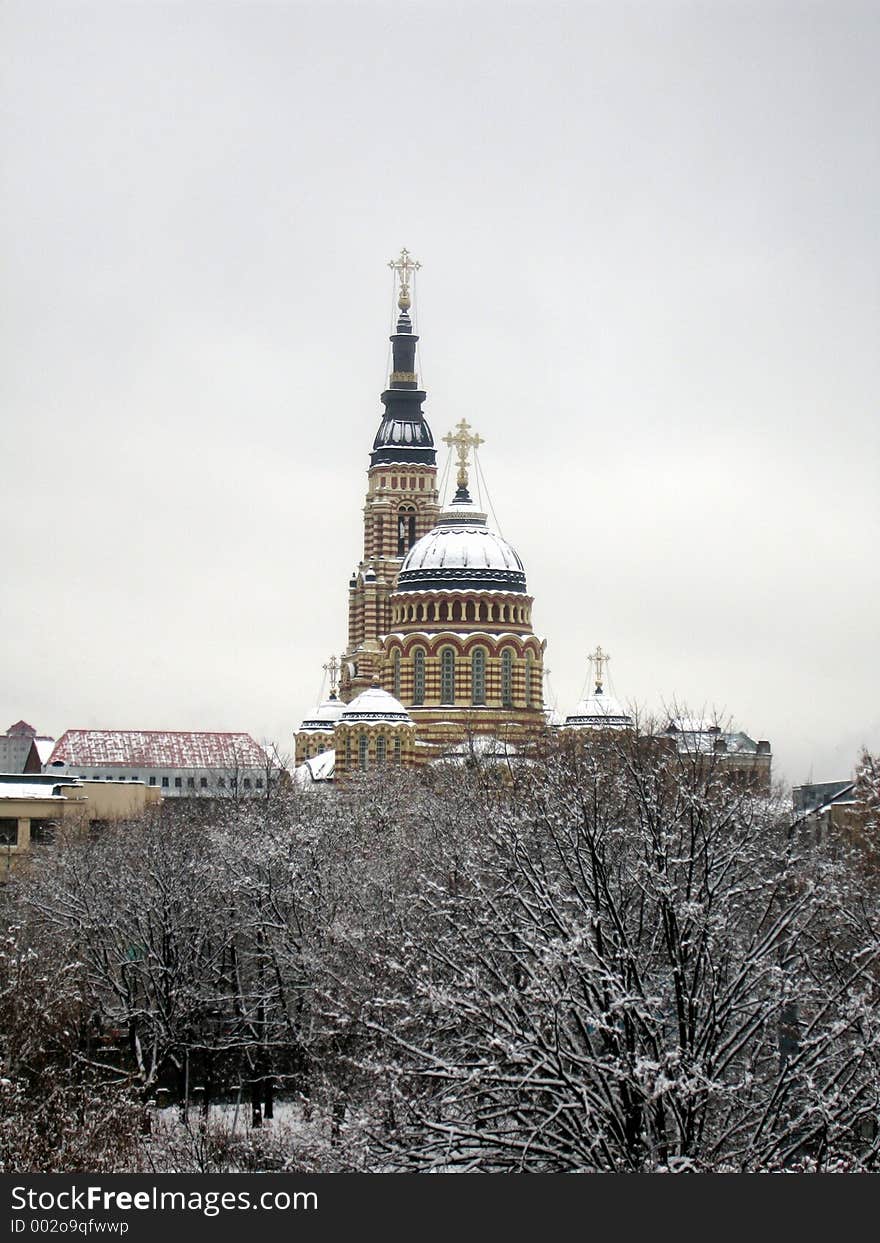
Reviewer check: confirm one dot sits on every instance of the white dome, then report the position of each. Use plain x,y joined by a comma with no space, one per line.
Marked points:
461,553
599,711
326,715
374,704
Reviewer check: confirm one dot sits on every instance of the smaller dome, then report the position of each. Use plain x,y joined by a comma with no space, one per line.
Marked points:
373,705
599,711
326,716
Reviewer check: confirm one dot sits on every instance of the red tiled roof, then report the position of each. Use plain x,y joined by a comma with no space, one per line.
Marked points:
156,748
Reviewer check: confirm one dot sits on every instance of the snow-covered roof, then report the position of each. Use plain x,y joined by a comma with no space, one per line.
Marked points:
703,742
44,748
374,705
30,789
461,553
599,711
131,748
325,717
319,768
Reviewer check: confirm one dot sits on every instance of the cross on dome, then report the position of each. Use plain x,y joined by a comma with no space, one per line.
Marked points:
332,670
463,442
403,265
599,660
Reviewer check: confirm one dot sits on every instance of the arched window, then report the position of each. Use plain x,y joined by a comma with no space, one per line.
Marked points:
478,676
406,529
418,676
396,750
395,675
507,678
379,533
447,676
380,749
530,661
348,750
363,748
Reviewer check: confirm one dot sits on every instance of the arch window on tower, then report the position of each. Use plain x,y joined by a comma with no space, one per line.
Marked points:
478,676
419,676
395,675
396,750
507,678
447,676
363,746
406,529
530,661
380,749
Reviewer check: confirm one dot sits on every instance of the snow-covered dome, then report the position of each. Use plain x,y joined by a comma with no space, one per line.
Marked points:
462,554
479,748
599,711
373,705
325,717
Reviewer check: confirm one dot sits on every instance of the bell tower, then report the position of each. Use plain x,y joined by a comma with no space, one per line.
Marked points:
402,502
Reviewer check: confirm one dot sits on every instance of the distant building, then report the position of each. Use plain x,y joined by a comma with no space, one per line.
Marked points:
826,807
179,763
748,761
23,750
37,810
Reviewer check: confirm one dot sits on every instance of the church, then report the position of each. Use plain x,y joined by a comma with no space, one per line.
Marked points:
441,658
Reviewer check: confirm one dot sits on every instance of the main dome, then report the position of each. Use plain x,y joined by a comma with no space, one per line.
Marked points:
462,554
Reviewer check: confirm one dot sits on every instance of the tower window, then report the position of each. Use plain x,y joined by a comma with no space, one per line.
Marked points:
530,660
395,674
418,676
478,676
396,750
507,678
363,745
380,749
447,676
406,529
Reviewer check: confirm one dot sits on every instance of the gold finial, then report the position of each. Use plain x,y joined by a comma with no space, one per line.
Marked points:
403,266
599,660
332,670
463,442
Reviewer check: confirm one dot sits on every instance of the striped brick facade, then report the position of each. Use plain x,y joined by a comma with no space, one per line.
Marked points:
401,507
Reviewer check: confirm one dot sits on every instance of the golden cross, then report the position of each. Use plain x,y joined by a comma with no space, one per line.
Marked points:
599,659
403,265
332,669
463,442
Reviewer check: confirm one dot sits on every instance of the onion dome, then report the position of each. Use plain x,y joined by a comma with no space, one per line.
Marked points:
374,705
599,711
462,554
326,716
404,436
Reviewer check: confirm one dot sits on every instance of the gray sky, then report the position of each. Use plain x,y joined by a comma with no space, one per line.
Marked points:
650,246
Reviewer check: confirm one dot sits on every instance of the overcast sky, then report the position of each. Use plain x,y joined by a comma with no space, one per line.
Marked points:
649,237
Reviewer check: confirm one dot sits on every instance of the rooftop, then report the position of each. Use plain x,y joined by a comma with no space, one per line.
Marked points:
131,748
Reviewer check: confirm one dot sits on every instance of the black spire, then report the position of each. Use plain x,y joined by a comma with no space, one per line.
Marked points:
404,435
